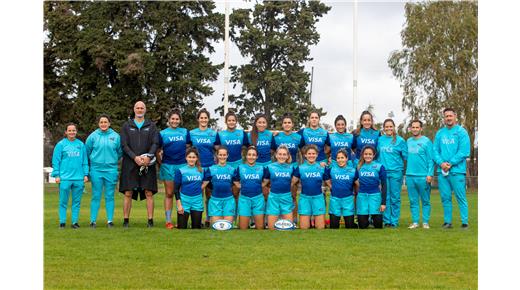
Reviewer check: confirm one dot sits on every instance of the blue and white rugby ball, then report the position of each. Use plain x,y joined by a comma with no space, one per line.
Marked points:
284,225
222,225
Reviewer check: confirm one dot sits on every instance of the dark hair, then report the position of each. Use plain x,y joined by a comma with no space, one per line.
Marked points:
254,130
358,130
230,114
340,118
196,152
287,116
203,110
309,147
449,110
393,133
103,116
416,121
220,147
361,160
172,112
71,124
310,114
342,151
251,147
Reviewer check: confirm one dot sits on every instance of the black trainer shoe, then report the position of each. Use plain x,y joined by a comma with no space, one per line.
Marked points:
125,224
150,224
446,226
110,225
75,226
206,224
92,225
62,226
464,226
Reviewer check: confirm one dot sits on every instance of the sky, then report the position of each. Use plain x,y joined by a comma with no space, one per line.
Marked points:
379,27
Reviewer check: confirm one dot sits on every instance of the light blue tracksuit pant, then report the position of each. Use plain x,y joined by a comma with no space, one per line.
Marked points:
394,183
454,182
419,190
66,187
100,180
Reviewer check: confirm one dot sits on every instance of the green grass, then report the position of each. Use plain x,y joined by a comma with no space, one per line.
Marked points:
141,258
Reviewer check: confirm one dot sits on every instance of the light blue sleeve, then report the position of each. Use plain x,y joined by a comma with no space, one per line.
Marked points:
56,160
463,150
89,144
404,149
429,156
85,160
437,149
119,149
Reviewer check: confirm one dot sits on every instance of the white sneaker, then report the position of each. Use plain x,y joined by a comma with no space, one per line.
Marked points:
425,226
413,226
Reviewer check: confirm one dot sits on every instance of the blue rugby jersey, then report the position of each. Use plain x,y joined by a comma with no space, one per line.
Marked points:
420,157
280,175
371,176
173,143
318,137
311,178
69,160
263,145
341,141
250,178
365,137
190,180
342,180
392,155
204,141
293,141
233,140
453,146
221,177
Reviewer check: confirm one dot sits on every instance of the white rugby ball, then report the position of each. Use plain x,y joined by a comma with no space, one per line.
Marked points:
284,225
222,225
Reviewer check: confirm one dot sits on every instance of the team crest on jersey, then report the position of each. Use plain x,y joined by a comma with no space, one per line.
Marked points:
112,139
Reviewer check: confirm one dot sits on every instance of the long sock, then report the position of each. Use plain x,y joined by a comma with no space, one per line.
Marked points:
169,216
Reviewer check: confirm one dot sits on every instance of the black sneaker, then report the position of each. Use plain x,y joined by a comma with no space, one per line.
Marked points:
62,226
75,226
92,225
150,224
464,226
110,225
206,224
125,224
446,226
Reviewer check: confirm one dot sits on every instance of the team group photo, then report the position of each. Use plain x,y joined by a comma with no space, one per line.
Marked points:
260,145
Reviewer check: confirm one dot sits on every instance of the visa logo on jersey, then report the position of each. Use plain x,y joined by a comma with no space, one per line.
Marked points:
312,174
233,142
340,143
251,176
341,177
194,178
447,141
368,141
223,176
282,174
262,143
203,140
289,145
387,149
176,138
315,139
73,154
367,174
413,150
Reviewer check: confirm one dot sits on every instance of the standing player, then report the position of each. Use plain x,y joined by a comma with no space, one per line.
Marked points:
262,139
318,136
251,203
419,173
311,199
371,199
104,151
451,147
341,181
172,156
234,139
279,174
392,155
222,203
188,191
341,139
365,134
203,138
70,168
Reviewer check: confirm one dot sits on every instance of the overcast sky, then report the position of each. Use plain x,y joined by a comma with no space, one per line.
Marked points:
379,27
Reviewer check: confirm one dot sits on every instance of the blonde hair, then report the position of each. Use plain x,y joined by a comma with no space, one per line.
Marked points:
289,159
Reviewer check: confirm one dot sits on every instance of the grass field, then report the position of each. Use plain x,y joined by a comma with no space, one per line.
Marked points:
157,258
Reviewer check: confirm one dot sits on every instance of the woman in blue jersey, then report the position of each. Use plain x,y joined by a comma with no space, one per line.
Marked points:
279,174
393,153
222,203
234,139
365,134
203,138
341,179
311,200
188,191
251,203
371,199
341,139
262,139
318,136
104,151
173,142
70,168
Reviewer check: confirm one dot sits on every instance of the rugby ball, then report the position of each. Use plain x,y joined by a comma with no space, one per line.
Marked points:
222,225
283,225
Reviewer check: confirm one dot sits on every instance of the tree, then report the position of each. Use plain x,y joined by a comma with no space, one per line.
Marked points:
437,66
275,37
101,57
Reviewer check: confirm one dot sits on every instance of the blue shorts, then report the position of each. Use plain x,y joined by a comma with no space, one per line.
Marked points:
279,203
167,171
225,206
251,206
368,203
235,164
190,203
342,206
311,204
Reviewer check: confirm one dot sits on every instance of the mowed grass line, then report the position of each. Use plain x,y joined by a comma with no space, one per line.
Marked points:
142,258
